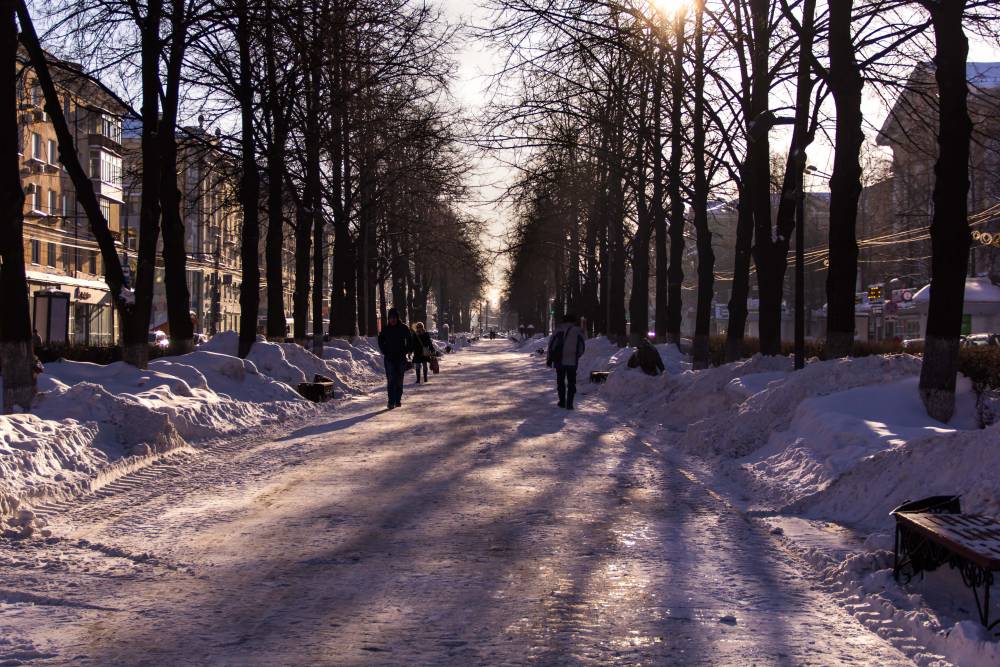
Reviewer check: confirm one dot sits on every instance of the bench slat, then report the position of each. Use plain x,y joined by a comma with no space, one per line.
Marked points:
974,537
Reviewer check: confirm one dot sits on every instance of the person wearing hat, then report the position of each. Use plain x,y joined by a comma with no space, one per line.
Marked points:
395,342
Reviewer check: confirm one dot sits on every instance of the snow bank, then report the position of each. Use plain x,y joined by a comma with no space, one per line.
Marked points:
933,609
352,365
90,423
961,462
773,408
831,435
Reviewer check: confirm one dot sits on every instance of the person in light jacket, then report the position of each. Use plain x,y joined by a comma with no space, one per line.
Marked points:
565,349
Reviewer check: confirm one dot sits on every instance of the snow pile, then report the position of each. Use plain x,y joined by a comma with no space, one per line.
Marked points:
91,423
353,366
533,343
773,408
961,462
833,434
933,609
714,392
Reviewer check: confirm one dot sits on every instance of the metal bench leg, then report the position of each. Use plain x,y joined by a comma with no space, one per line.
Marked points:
975,577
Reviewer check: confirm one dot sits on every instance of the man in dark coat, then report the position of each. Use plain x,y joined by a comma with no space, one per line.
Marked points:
395,343
566,346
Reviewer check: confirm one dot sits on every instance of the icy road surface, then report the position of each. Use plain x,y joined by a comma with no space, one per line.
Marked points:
478,524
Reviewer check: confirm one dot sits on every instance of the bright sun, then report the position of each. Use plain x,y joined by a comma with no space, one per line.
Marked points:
672,6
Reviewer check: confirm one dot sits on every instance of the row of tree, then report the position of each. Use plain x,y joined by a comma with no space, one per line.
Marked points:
633,115
341,134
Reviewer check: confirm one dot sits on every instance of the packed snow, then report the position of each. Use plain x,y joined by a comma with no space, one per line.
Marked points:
91,423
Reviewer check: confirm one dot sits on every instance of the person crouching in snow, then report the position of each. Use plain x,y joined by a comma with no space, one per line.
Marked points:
565,349
395,342
423,350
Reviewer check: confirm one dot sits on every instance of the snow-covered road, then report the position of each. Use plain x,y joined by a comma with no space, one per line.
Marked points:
478,524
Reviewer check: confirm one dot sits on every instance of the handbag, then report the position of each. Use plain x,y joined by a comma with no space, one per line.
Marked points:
435,366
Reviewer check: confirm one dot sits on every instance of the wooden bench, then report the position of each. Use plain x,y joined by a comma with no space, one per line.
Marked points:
933,532
320,390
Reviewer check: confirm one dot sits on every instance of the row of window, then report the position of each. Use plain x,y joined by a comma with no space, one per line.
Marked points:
103,165
68,257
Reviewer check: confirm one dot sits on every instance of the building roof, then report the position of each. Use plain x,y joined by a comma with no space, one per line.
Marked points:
982,77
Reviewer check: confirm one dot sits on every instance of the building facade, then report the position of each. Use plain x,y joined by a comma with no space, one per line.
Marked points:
911,131
63,263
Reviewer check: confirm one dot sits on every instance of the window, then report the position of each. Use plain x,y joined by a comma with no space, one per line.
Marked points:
65,206
36,146
36,95
36,251
50,255
53,153
36,198
106,210
106,167
67,259
53,206
92,262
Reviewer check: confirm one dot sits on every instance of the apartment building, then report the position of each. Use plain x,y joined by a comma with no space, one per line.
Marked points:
208,180
63,263
911,132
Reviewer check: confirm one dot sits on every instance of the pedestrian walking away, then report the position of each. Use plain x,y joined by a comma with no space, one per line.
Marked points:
565,349
395,343
423,350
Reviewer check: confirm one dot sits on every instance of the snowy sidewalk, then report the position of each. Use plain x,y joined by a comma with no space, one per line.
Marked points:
476,525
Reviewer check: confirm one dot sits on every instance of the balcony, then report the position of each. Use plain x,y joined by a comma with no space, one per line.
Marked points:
99,140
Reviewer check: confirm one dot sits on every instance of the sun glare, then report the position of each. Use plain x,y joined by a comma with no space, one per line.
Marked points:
672,7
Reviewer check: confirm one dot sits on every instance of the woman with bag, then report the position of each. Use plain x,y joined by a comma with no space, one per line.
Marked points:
423,350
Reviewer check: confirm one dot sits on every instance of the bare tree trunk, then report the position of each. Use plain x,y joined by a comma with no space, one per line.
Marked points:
845,84
16,350
950,235
759,186
300,296
740,291
706,257
171,225
273,251
675,272
639,299
659,212
135,338
249,192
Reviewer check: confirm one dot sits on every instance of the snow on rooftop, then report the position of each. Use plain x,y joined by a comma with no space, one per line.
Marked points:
977,290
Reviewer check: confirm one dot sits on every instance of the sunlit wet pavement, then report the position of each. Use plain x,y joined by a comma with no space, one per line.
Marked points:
479,524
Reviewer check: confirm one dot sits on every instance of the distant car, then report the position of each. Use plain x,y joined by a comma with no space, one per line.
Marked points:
913,343
200,338
980,340
159,339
